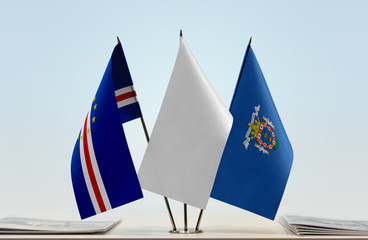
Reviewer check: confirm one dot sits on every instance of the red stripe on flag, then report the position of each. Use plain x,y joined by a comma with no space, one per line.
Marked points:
90,169
125,96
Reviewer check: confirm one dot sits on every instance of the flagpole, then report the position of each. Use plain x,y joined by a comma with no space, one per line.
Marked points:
147,138
170,213
199,220
165,198
237,83
185,218
185,205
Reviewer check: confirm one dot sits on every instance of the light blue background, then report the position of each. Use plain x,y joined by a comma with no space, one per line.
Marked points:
313,55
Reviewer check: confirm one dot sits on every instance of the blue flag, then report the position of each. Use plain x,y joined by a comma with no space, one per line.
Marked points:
257,159
102,169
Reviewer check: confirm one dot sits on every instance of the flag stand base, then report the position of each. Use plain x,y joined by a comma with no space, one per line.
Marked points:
186,230
182,231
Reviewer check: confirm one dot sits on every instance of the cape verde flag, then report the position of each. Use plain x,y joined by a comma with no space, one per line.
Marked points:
257,159
102,169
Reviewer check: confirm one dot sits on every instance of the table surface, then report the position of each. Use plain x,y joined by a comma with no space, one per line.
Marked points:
219,226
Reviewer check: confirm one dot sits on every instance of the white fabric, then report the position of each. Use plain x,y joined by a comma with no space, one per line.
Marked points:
127,101
85,173
124,90
188,138
96,170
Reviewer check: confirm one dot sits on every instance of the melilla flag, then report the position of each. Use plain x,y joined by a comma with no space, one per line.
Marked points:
102,169
188,138
257,159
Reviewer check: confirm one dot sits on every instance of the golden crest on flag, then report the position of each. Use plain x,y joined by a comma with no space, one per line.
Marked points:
262,131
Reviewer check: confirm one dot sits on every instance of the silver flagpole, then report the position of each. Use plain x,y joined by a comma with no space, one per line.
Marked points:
170,213
185,205
199,220
185,218
165,198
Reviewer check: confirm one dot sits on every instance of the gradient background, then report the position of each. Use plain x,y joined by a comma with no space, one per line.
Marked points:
313,55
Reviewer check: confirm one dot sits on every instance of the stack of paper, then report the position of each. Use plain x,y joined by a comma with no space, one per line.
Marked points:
42,226
322,226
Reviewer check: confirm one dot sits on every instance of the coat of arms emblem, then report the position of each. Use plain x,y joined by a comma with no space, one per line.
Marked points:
262,132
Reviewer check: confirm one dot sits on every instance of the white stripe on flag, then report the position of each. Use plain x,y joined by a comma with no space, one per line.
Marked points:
127,102
124,90
86,175
96,170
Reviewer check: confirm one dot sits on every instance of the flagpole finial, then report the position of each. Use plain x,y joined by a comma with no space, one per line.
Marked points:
181,33
118,39
250,41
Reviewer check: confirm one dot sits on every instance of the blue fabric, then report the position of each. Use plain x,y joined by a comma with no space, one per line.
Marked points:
110,146
250,178
121,78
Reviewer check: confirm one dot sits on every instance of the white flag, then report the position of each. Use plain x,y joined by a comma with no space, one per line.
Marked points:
188,138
